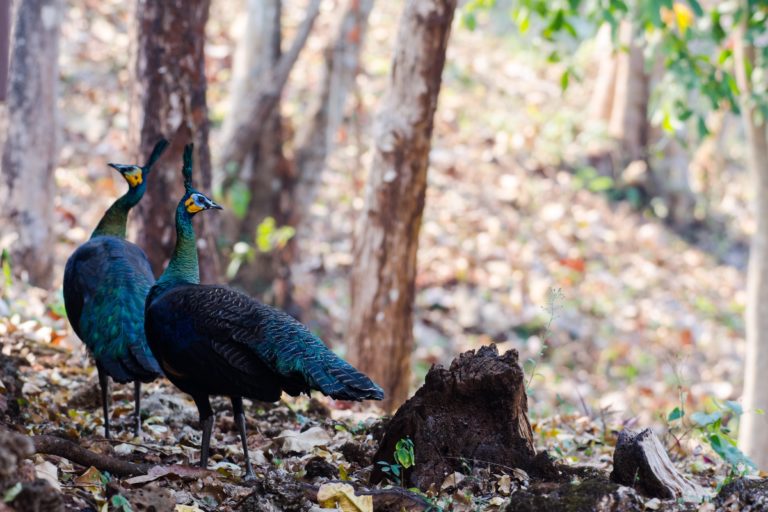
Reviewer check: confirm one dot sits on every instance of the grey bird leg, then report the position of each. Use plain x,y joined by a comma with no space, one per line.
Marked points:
206,422
237,409
104,385
137,408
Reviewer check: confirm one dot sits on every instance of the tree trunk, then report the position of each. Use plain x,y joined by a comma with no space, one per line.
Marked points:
380,334
753,431
258,52
256,173
629,115
5,40
170,70
601,100
29,155
315,141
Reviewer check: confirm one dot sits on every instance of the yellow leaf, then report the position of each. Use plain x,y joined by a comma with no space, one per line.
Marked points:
187,508
343,496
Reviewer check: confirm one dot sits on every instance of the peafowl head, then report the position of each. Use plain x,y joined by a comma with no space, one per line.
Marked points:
135,174
193,200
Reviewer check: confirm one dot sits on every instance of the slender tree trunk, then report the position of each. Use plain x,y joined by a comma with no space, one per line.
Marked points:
259,177
29,154
315,141
170,67
601,100
628,123
256,173
753,431
380,334
5,45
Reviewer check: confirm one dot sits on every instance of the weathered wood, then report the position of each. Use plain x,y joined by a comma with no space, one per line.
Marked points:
640,461
475,411
380,332
29,154
171,83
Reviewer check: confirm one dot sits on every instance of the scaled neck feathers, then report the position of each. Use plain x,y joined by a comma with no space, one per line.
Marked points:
116,217
183,267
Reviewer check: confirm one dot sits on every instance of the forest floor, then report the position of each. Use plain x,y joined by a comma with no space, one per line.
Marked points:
621,320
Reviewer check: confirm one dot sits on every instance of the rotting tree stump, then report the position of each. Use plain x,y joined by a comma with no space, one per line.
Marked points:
475,412
640,461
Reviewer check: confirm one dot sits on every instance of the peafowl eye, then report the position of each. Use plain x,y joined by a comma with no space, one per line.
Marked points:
213,340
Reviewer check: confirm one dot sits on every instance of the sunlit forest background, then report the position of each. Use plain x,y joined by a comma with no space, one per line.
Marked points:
589,203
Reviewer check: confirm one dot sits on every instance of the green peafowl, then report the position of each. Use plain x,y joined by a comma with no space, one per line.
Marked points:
211,340
106,281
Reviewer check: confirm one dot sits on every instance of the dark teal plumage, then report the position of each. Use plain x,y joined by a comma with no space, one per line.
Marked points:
218,341
212,340
106,281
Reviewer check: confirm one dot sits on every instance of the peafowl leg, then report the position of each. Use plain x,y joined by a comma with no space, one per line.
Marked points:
104,385
237,409
206,422
137,408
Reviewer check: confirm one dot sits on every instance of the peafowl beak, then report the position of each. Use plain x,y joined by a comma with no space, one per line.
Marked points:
197,202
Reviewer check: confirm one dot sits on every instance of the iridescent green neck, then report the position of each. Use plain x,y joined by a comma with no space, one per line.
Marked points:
116,217
183,267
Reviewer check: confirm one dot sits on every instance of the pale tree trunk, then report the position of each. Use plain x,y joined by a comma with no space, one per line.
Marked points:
601,100
628,123
753,430
380,334
29,154
317,137
257,54
5,46
170,68
315,141
252,156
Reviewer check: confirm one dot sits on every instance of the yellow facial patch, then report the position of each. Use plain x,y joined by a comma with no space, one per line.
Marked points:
192,207
134,178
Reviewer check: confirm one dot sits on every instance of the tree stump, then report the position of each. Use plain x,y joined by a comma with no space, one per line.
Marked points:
475,412
640,461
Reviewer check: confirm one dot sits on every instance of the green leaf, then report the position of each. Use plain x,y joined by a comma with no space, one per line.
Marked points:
735,407
469,20
564,79
121,503
703,419
10,493
239,199
759,411
701,126
675,414
7,275
696,7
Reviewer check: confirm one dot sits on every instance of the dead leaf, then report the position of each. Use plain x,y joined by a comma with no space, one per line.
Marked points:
48,471
303,442
452,480
503,484
344,498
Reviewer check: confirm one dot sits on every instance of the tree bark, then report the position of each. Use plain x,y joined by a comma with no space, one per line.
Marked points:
628,123
170,69
259,51
29,154
315,141
252,155
5,40
753,429
380,334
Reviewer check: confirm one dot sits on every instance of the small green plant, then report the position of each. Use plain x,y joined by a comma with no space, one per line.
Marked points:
554,298
714,428
5,257
404,458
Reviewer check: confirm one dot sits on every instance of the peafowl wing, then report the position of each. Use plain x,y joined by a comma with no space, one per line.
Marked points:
105,283
238,328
